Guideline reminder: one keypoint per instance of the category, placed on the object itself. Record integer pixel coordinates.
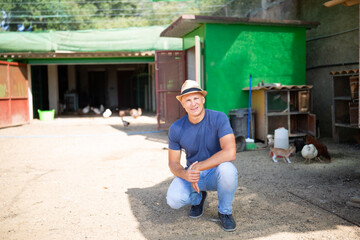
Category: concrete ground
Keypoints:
(92, 178)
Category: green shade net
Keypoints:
(126, 39)
(170, 0)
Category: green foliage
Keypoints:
(40, 15)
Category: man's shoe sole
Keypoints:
(229, 230)
(197, 216)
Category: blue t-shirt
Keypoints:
(202, 140)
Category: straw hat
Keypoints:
(190, 86)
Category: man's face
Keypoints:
(193, 103)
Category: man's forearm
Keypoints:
(177, 169)
(227, 155)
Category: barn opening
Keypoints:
(77, 86)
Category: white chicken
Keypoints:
(102, 108)
(309, 152)
(270, 138)
(107, 113)
(96, 110)
(86, 109)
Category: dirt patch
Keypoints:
(92, 178)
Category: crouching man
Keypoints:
(209, 144)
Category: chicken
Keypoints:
(86, 109)
(299, 144)
(96, 110)
(321, 148)
(125, 123)
(135, 113)
(270, 138)
(107, 113)
(309, 152)
(122, 113)
(102, 108)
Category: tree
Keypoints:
(35, 15)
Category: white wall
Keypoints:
(53, 85)
(190, 64)
(30, 96)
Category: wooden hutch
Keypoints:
(345, 101)
(287, 106)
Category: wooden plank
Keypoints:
(333, 3)
(258, 104)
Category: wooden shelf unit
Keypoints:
(287, 106)
(345, 101)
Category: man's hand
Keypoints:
(195, 187)
(192, 174)
(193, 177)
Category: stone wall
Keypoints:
(333, 45)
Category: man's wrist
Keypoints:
(197, 166)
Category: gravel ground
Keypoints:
(92, 178)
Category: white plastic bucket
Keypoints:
(281, 138)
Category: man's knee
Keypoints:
(175, 201)
(227, 174)
(227, 169)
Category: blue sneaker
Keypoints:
(227, 222)
(197, 211)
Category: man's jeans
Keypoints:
(223, 179)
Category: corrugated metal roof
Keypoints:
(279, 87)
(188, 23)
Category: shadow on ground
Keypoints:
(271, 199)
(148, 130)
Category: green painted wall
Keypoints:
(272, 54)
(189, 39)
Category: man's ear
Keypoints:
(181, 102)
(203, 100)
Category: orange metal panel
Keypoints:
(5, 115)
(4, 84)
(13, 63)
(18, 81)
(14, 102)
(19, 111)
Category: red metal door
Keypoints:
(170, 75)
(14, 100)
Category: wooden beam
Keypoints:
(333, 3)
(349, 3)
(345, 2)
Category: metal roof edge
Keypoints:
(187, 23)
(39, 55)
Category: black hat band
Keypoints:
(191, 90)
